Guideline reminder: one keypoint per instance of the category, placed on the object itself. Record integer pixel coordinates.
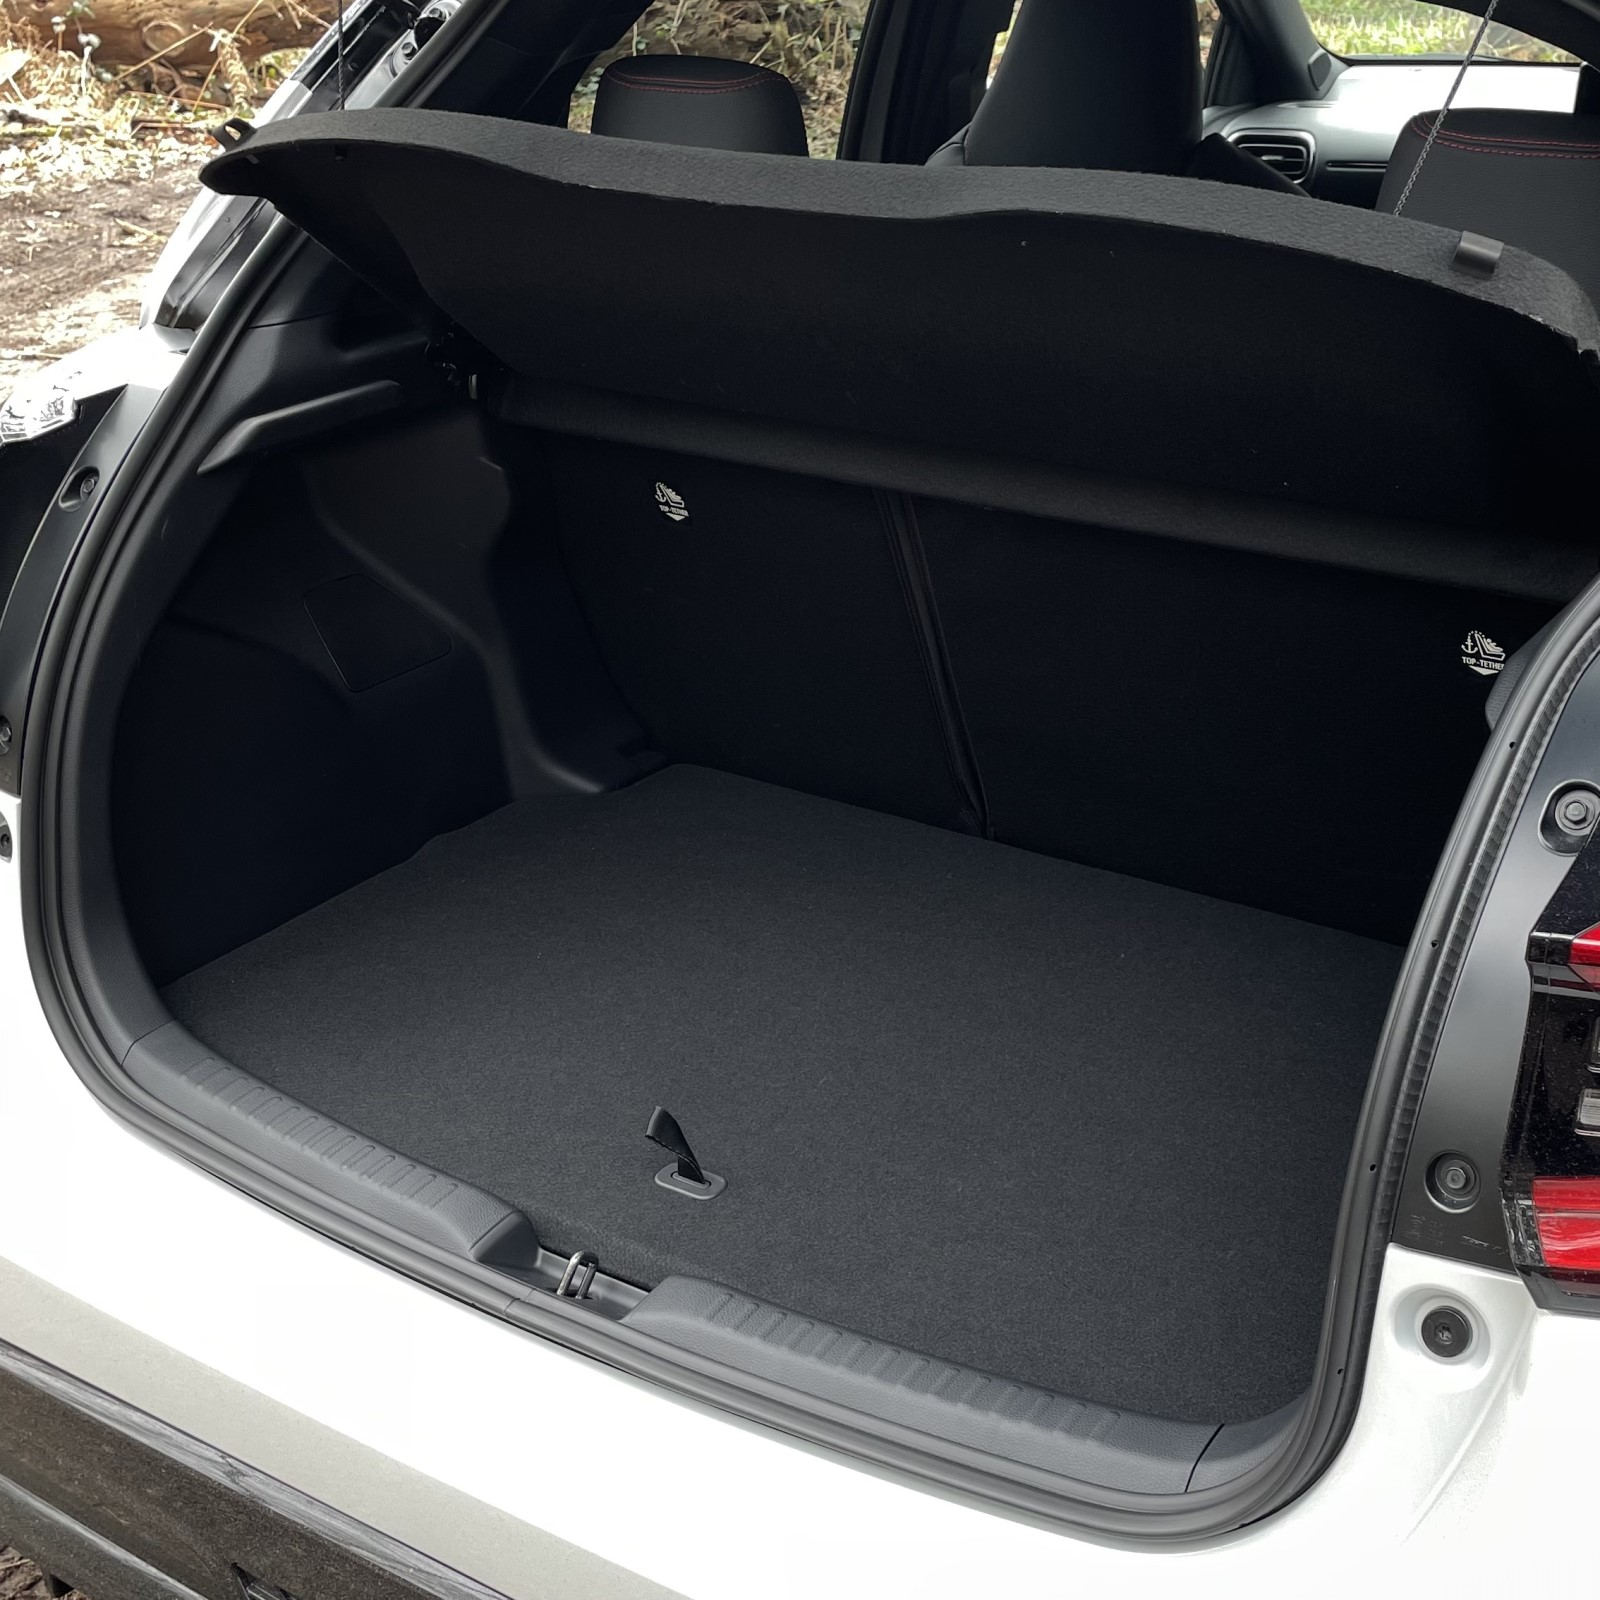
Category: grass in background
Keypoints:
(1412, 28)
(66, 120)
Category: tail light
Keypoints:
(1550, 1178)
(1567, 1215)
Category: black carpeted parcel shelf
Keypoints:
(1069, 1127)
(1179, 331)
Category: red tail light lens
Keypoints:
(1567, 1211)
(1585, 957)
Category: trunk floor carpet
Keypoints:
(1061, 1125)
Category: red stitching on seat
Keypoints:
(688, 85)
(1571, 154)
(1489, 141)
(1513, 139)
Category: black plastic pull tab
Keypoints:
(233, 133)
(685, 1176)
(1478, 255)
(664, 1131)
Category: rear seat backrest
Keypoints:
(1527, 178)
(754, 622)
(700, 100)
(759, 622)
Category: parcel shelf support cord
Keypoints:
(1449, 100)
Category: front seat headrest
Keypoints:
(1092, 83)
(700, 100)
(1529, 178)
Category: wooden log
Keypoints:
(179, 34)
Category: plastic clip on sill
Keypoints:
(575, 1281)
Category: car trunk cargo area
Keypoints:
(981, 788)
(470, 799)
(1042, 1120)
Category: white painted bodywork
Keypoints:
(541, 1472)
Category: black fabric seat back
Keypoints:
(757, 622)
(1527, 178)
(1090, 83)
(700, 100)
(1103, 84)
(1293, 735)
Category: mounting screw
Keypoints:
(5, 736)
(5, 842)
(1577, 811)
(1447, 1333)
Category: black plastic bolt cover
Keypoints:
(81, 487)
(5, 735)
(1447, 1332)
(5, 842)
(1453, 1181)
(1570, 818)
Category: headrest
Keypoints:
(700, 100)
(1527, 178)
(1093, 83)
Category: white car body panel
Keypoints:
(540, 1472)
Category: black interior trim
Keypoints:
(191, 1078)
(273, 430)
(1532, 563)
(1148, 1455)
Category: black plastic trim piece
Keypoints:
(1556, 570)
(1286, 60)
(1510, 675)
(27, 611)
(1240, 1446)
(112, 1499)
(172, 1065)
(1077, 1439)
(1467, 1063)
(274, 430)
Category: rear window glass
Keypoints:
(811, 42)
(1412, 28)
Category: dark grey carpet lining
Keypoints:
(1061, 1125)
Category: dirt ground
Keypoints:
(74, 254)
(21, 1580)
